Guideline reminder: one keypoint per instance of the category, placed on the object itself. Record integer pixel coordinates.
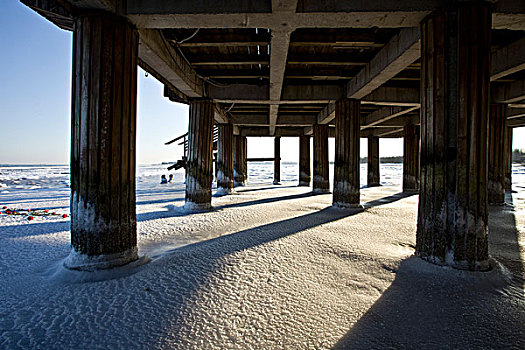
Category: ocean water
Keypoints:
(54, 179)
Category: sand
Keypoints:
(271, 267)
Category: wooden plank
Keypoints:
(384, 114)
(508, 60)
(401, 51)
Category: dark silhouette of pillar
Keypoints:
(508, 158)
(496, 164)
(239, 160)
(104, 97)
(304, 161)
(199, 169)
(277, 161)
(411, 158)
(373, 178)
(321, 182)
(225, 159)
(346, 165)
(455, 69)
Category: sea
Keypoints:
(34, 181)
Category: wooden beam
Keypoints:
(229, 63)
(509, 93)
(511, 113)
(401, 51)
(393, 96)
(158, 54)
(516, 122)
(327, 114)
(508, 60)
(399, 122)
(384, 114)
(225, 44)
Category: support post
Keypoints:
(104, 97)
(321, 182)
(225, 159)
(199, 167)
(373, 178)
(508, 158)
(411, 158)
(346, 165)
(239, 160)
(304, 161)
(496, 164)
(453, 208)
(277, 160)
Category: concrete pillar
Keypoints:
(411, 158)
(304, 161)
(239, 160)
(199, 171)
(508, 158)
(453, 208)
(104, 98)
(225, 159)
(321, 181)
(346, 165)
(277, 161)
(373, 178)
(496, 164)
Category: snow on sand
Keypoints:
(271, 267)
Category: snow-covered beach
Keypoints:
(271, 267)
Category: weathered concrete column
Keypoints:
(104, 98)
(321, 181)
(373, 178)
(239, 160)
(277, 160)
(304, 161)
(199, 169)
(225, 159)
(346, 165)
(453, 208)
(496, 165)
(508, 158)
(411, 158)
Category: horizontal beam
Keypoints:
(516, 122)
(393, 96)
(511, 113)
(509, 93)
(400, 52)
(398, 122)
(157, 54)
(508, 60)
(384, 114)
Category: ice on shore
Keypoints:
(270, 267)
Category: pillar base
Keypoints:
(481, 266)
(83, 262)
(196, 207)
(343, 205)
(238, 184)
(304, 183)
(223, 191)
(276, 182)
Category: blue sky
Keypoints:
(35, 101)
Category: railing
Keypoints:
(182, 162)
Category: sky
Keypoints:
(35, 101)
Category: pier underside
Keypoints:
(307, 68)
